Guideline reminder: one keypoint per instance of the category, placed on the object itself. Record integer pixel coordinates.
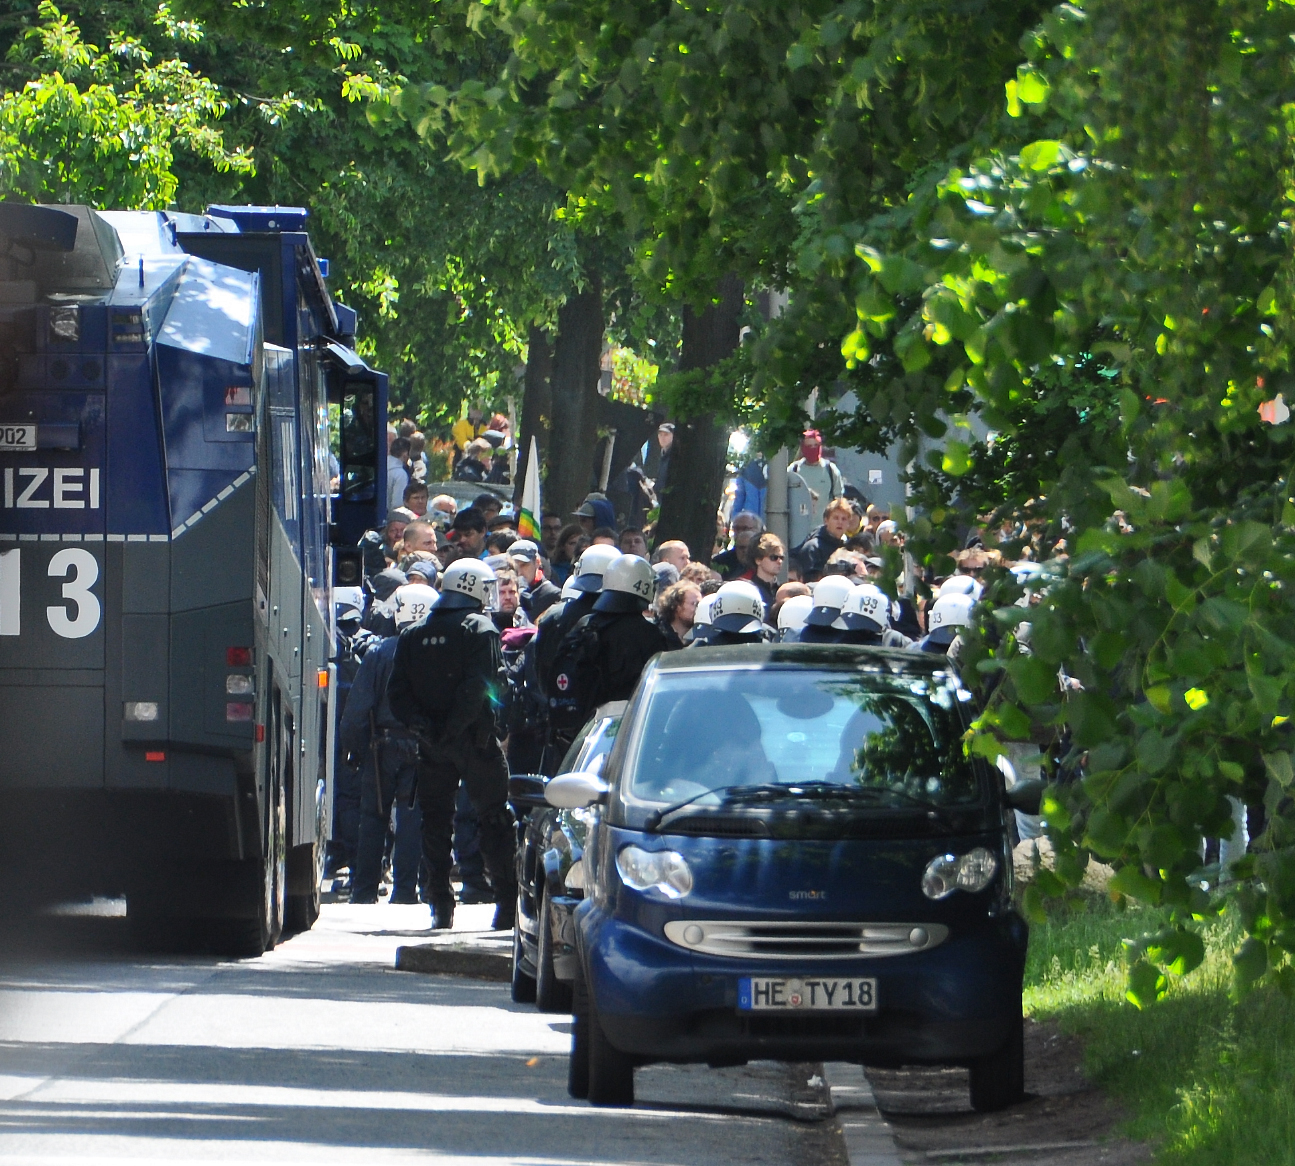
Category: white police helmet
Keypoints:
(588, 573)
(467, 583)
(1028, 574)
(738, 607)
(866, 609)
(830, 594)
(948, 615)
(962, 585)
(702, 617)
(791, 616)
(569, 588)
(411, 603)
(629, 583)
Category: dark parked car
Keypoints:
(794, 859)
(549, 871)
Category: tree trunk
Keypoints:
(537, 407)
(576, 370)
(699, 456)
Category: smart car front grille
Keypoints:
(805, 1027)
(802, 941)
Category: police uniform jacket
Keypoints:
(557, 621)
(369, 695)
(626, 642)
(448, 673)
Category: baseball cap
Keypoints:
(524, 551)
(400, 514)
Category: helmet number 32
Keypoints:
(79, 613)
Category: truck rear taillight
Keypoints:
(238, 657)
(239, 711)
(140, 710)
(237, 685)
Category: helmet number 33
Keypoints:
(78, 614)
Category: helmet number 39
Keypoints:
(80, 612)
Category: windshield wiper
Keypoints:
(656, 817)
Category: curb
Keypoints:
(868, 1140)
(445, 959)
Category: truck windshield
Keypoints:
(896, 740)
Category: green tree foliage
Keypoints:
(1071, 224)
(105, 126)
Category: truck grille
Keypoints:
(801, 941)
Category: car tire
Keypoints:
(578, 1067)
(998, 1081)
(551, 994)
(611, 1072)
(523, 982)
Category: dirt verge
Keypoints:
(1064, 1121)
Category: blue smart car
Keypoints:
(794, 860)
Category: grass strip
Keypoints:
(1206, 1081)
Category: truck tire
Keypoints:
(551, 994)
(998, 1080)
(306, 873)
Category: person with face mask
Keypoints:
(819, 474)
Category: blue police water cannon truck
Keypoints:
(186, 432)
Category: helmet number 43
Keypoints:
(80, 612)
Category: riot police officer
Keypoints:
(445, 686)
(867, 614)
(737, 615)
(944, 622)
(603, 656)
(390, 763)
(585, 584)
(823, 624)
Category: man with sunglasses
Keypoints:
(767, 556)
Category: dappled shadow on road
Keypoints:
(459, 1105)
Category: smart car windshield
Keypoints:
(883, 739)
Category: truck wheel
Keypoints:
(551, 994)
(523, 981)
(998, 1081)
(306, 873)
(578, 1068)
(611, 1072)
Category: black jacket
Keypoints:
(448, 677)
(539, 599)
(369, 695)
(557, 621)
(626, 642)
(812, 555)
(728, 564)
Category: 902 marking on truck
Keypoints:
(79, 614)
(17, 437)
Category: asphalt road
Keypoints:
(321, 1052)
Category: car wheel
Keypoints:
(611, 1072)
(998, 1081)
(578, 1069)
(551, 994)
(523, 983)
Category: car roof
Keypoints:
(852, 656)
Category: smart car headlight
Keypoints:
(947, 873)
(654, 870)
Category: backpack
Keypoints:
(524, 708)
(575, 677)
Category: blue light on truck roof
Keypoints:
(263, 218)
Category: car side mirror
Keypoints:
(1026, 796)
(527, 789)
(574, 791)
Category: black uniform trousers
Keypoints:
(483, 772)
(391, 781)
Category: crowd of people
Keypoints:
(475, 652)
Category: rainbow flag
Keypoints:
(528, 521)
